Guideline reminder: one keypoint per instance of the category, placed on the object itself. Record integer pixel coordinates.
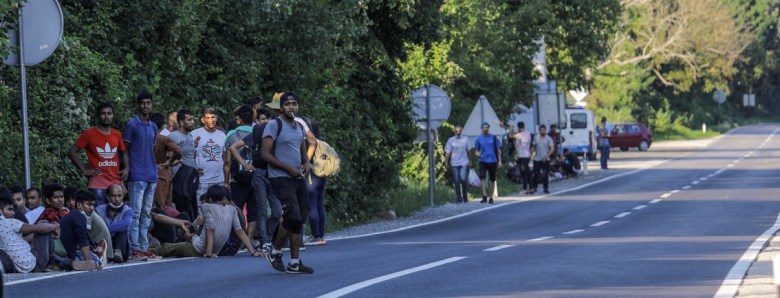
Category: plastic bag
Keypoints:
(474, 179)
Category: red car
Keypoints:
(630, 135)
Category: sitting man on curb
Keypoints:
(75, 237)
(219, 220)
(117, 216)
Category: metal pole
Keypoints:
(25, 132)
(428, 130)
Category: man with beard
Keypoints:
(139, 136)
(210, 143)
(104, 146)
(117, 216)
(185, 177)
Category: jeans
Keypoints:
(604, 152)
(315, 186)
(541, 174)
(242, 195)
(119, 239)
(100, 196)
(141, 198)
(266, 200)
(525, 172)
(460, 175)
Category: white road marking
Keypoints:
(349, 289)
(573, 232)
(695, 182)
(655, 201)
(601, 223)
(719, 171)
(737, 161)
(733, 279)
(666, 195)
(541, 239)
(621, 215)
(500, 247)
(687, 187)
(110, 267)
(704, 178)
(730, 165)
(675, 191)
(640, 207)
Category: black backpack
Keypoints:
(240, 174)
(257, 150)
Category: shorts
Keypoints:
(488, 168)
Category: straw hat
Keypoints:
(274, 104)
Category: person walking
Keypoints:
(603, 142)
(287, 165)
(523, 140)
(542, 151)
(457, 159)
(488, 149)
(139, 136)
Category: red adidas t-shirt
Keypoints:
(102, 153)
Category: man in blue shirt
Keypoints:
(488, 148)
(139, 136)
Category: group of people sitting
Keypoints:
(60, 228)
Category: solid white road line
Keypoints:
(601, 223)
(110, 267)
(621, 215)
(640, 207)
(666, 195)
(655, 201)
(541, 239)
(349, 289)
(500, 247)
(734, 277)
(573, 232)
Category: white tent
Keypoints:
(483, 112)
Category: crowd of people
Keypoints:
(163, 188)
(537, 159)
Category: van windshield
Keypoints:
(579, 120)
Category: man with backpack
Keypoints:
(488, 149)
(261, 189)
(238, 179)
(285, 151)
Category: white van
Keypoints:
(578, 132)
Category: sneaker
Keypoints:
(321, 241)
(484, 200)
(299, 269)
(266, 249)
(84, 265)
(546, 191)
(138, 256)
(118, 256)
(302, 248)
(256, 244)
(100, 248)
(276, 261)
(152, 257)
(490, 201)
(311, 240)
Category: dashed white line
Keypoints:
(541, 239)
(573, 232)
(601, 223)
(666, 195)
(695, 182)
(655, 201)
(500, 247)
(687, 187)
(675, 191)
(704, 178)
(621, 215)
(730, 165)
(349, 289)
(719, 171)
(737, 161)
(640, 207)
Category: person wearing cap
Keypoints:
(488, 149)
(287, 165)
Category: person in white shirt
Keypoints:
(523, 144)
(34, 202)
(457, 158)
(209, 150)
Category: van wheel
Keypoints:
(643, 146)
(623, 148)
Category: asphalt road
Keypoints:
(673, 230)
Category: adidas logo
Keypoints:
(106, 153)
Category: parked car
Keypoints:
(630, 135)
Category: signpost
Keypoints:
(40, 32)
(431, 108)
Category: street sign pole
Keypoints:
(25, 128)
(428, 130)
